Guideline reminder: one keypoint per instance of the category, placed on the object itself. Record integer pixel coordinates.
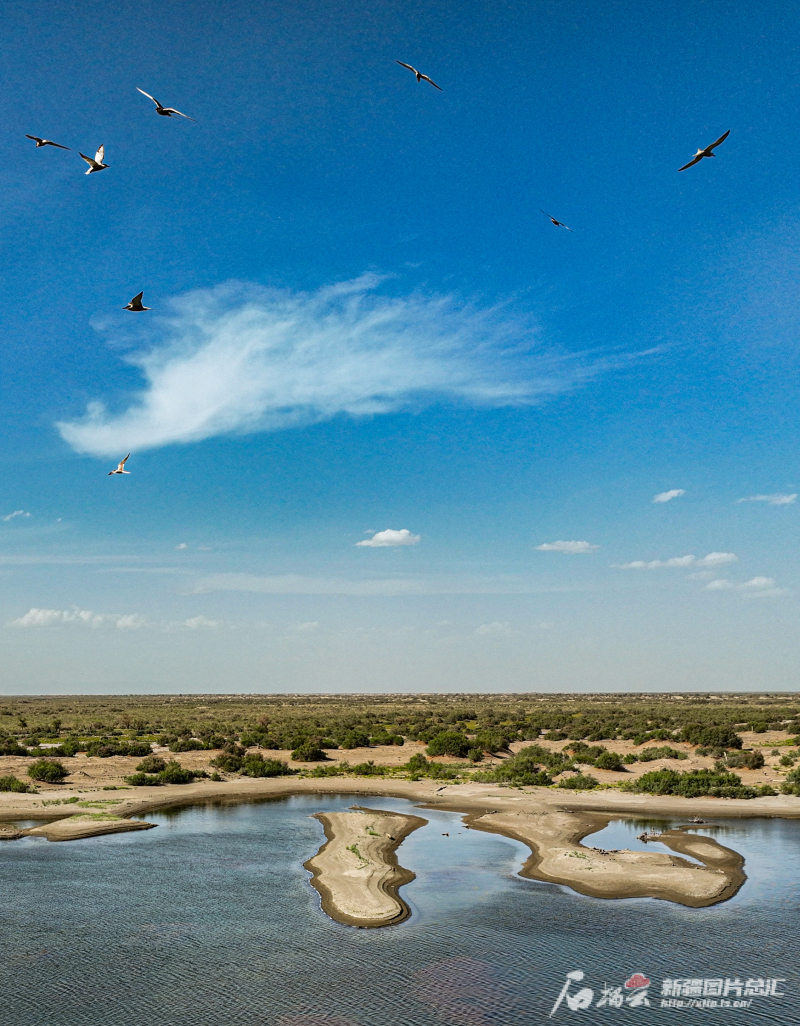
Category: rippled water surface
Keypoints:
(210, 919)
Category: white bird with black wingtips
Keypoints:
(165, 112)
(45, 142)
(420, 76)
(96, 164)
(121, 468)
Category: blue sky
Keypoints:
(363, 329)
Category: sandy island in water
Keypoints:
(551, 822)
(356, 871)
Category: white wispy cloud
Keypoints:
(181, 547)
(756, 587)
(383, 539)
(298, 584)
(776, 499)
(16, 513)
(712, 559)
(673, 493)
(567, 546)
(196, 623)
(77, 617)
(495, 628)
(241, 358)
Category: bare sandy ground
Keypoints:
(356, 871)
(73, 828)
(558, 857)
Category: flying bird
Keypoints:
(96, 164)
(165, 112)
(136, 305)
(121, 468)
(706, 152)
(45, 142)
(558, 224)
(420, 76)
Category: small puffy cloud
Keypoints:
(777, 499)
(673, 493)
(756, 587)
(383, 539)
(495, 628)
(573, 547)
(712, 559)
(179, 548)
(77, 617)
(196, 623)
(16, 513)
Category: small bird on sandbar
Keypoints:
(420, 76)
(165, 112)
(96, 164)
(558, 224)
(45, 142)
(706, 152)
(121, 468)
(136, 304)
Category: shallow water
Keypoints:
(210, 919)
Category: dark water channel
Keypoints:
(210, 919)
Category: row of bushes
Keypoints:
(696, 784)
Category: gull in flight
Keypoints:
(706, 152)
(135, 305)
(45, 142)
(558, 224)
(420, 76)
(165, 112)
(121, 468)
(96, 164)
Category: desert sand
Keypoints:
(356, 871)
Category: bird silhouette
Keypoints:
(121, 468)
(165, 112)
(558, 224)
(706, 152)
(420, 76)
(45, 142)
(136, 304)
(96, 164)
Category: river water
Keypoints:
(210, 919)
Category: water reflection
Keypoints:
(211, 919)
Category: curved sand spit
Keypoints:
(356, 871)
(558, 857)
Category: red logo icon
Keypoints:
(637, 980)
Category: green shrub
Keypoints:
(152, 764)
(49, 770)
(417, 763)
(692, 784)
(174, 773)
(228, 762)
(710, 737)
(521, 770)
(475, 755)
(188, 744)
(255, 765)
(144, 780)
(368, 769)
(630, 758)
(609, 761)
(664, 752)
(792, 783)
(787, 760)
(12, 784)
(325, 771)
(580, 782)
(355, 739)
(309, 751)
(10, 746)
(745, 760)
(105, 747)
(450, 742)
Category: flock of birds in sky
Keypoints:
(96, 163)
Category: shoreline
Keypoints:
(349, 882)
(569, 817)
